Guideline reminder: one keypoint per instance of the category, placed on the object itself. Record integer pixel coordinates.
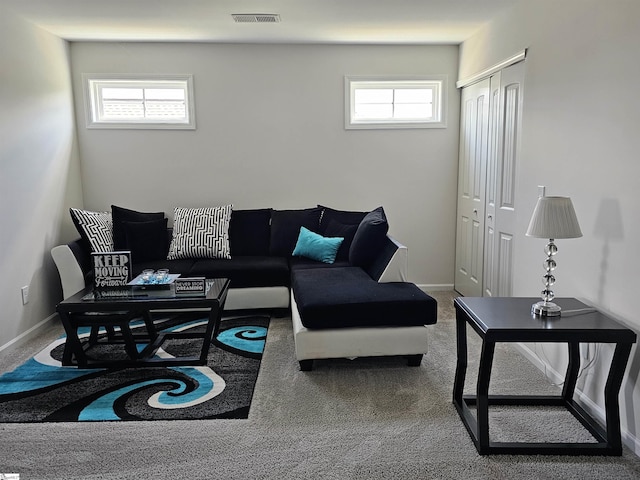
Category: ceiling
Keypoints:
(301, 21)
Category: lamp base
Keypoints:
(545, 309)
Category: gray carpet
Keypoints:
(346, 419)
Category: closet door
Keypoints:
(472, 175)
(496, 117)
(504, 150)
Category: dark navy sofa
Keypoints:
(359, 305)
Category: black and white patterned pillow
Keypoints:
(95, 227)
(200, 233)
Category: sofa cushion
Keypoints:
(95, 228)
(245, 271)
(344, 217)
(120, 215)
(347, 232)
(305, 263)
(316, 247)
(347, 297)
(285, 228)
(146, 240)
(250, 232)
(200, 233)
(369, 238)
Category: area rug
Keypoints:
(42, 390)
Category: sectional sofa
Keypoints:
(342, 276)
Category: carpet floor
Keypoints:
(346, 419)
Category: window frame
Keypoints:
(94, 83)
(437, 83)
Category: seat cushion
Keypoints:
(341, 297)
(306, 263)
(245, 271)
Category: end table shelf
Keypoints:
(509, 320)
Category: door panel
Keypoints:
(504, 158)
(490, 274)
(472, 179)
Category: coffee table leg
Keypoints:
(213, 325)
(484, 376)
(129, 342)
(151, 328)
(72, 345)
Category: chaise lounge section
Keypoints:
(343, 312)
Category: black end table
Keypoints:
(118, 308)
(510, 320)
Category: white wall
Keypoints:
(270, 133)
(580, 138)
(39, 170)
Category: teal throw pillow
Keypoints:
(316, 247)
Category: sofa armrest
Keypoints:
(71, 275)
(392, 264)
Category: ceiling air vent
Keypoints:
(256, 18)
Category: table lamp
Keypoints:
(553, 218)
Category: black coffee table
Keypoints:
(510, 320)
(118, 308)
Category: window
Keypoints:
(376, 102)
(139, 102)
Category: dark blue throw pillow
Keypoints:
(285, 228)
(344, 217)
(249, 232)
(121, 215)
(336, 229)
(147, 241)
(369, 238)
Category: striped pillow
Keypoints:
(94, 227)
(200, 233)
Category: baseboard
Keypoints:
(630, 440)
(443, 287)
(24, 337)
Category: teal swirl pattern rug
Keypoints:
(42, 390)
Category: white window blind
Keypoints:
(397, 103)
(126, 102)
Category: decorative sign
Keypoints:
(111, 269)
(190, 286)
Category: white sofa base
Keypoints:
(356, 342)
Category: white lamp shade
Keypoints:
(554, 217)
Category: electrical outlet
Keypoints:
(25, 294)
